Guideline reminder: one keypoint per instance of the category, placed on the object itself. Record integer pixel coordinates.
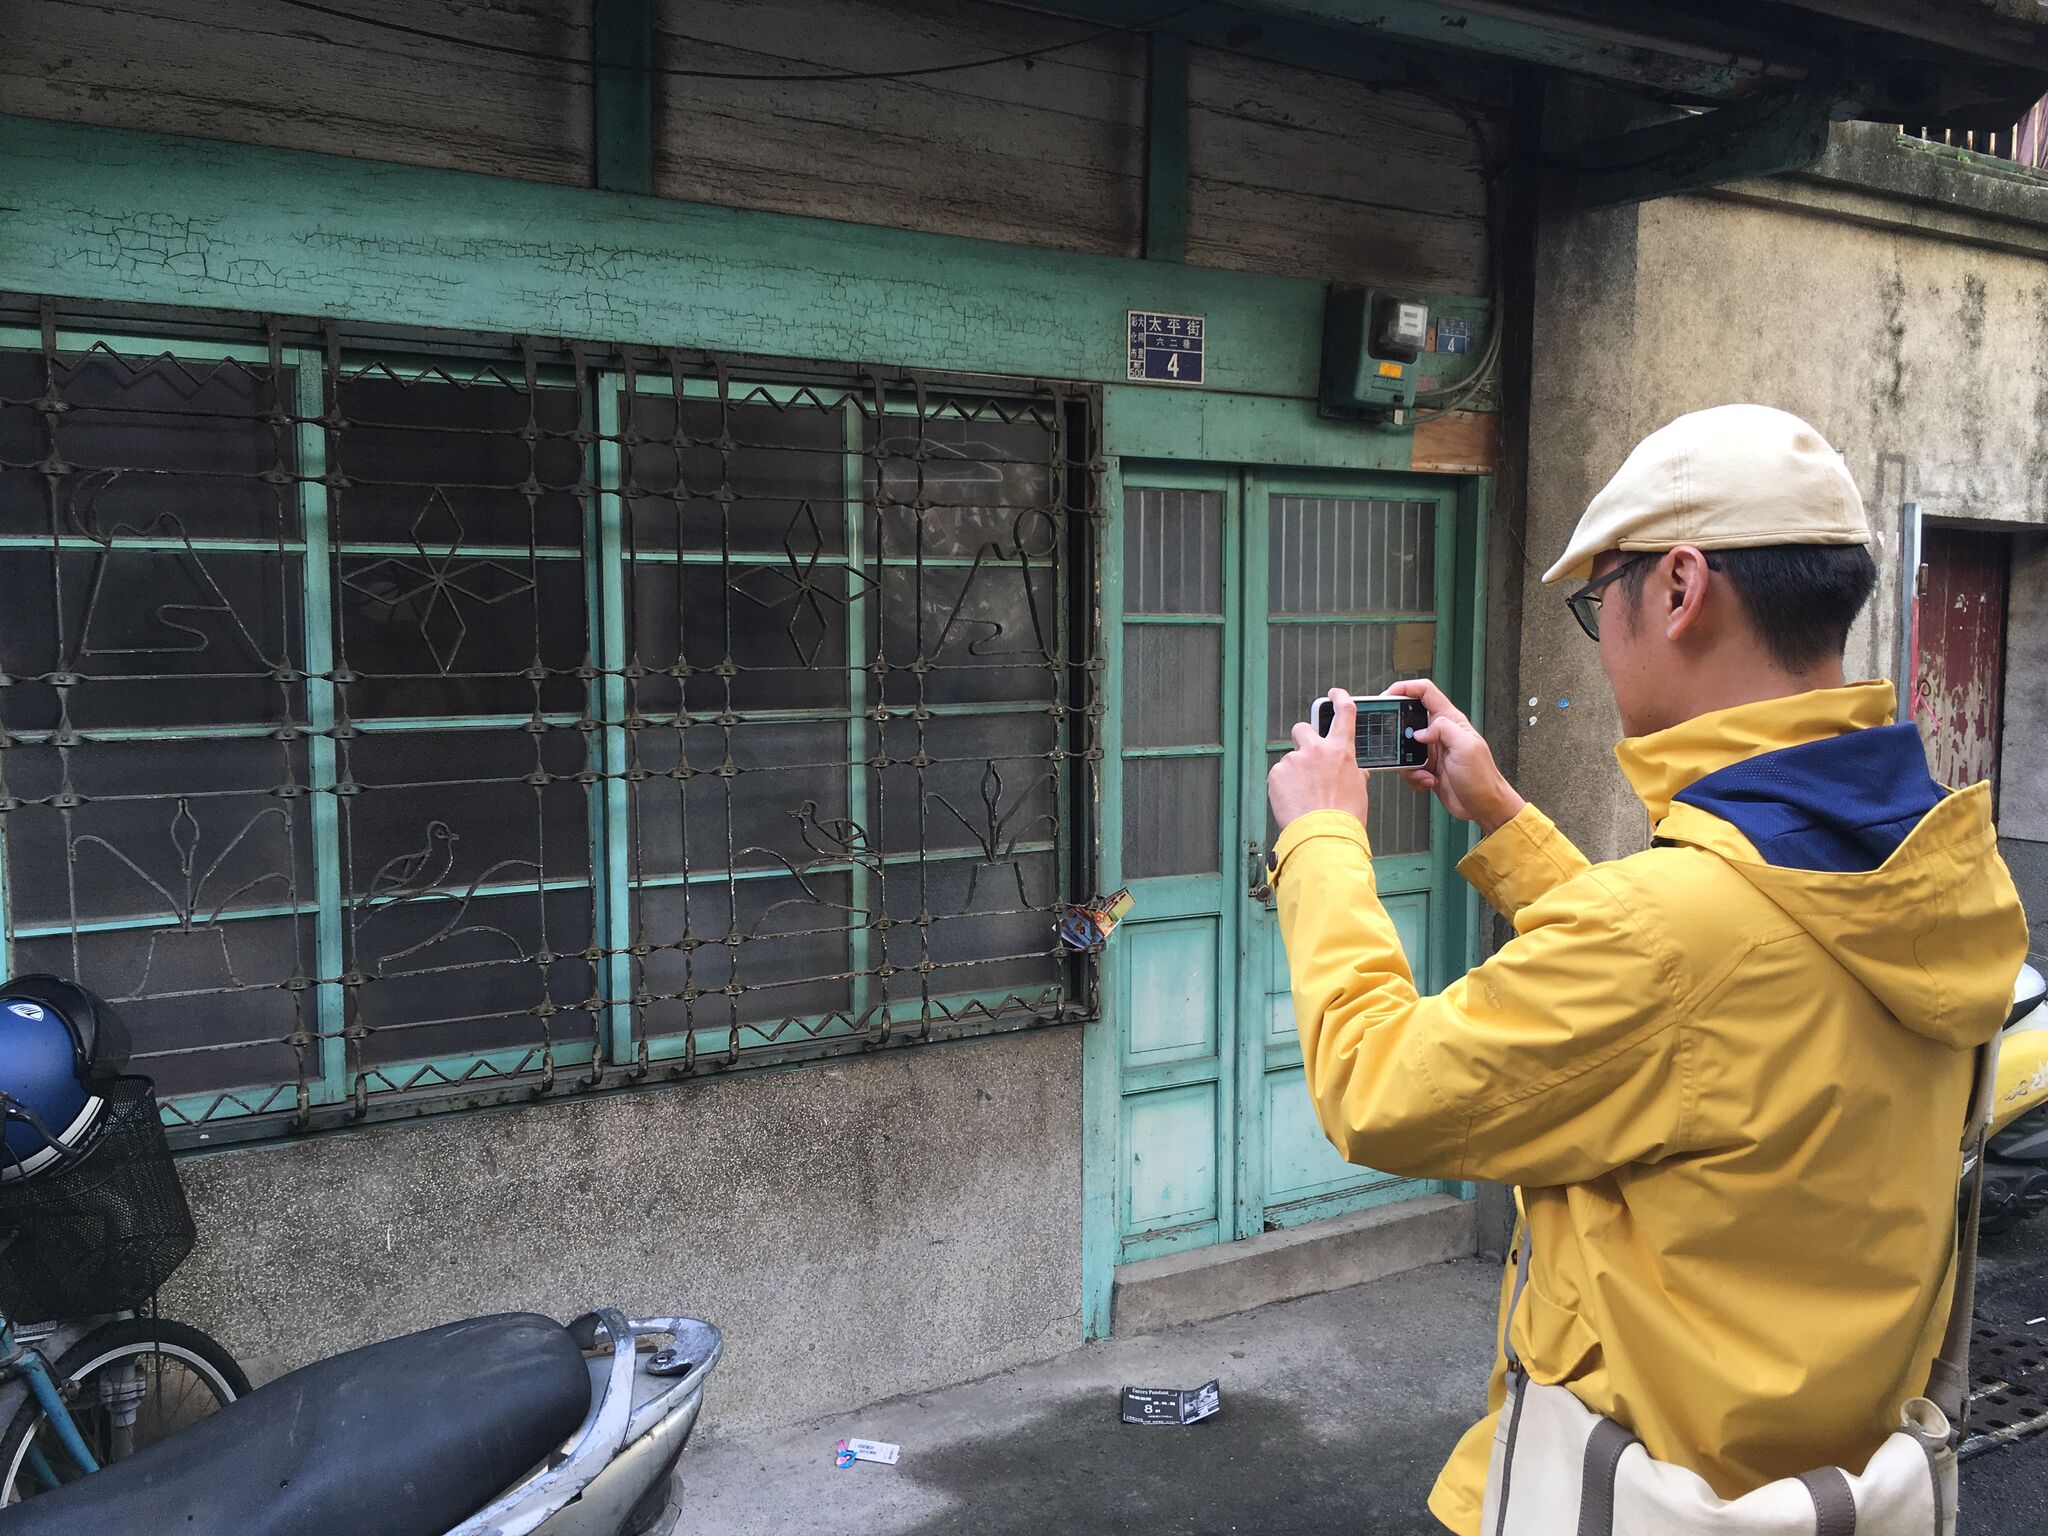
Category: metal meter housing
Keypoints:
(1372, 342)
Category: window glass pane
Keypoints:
(174, 830)
(971, 926)
(451, 810)
(949, 635)
(1173, 685)
(1399, 819)
(1173, 551)
(1337, 555)
(752, 637)
(454, 459)
(727, 475)
(947, 487)
(454, 975)
(452, 632)
(748, 796)
(751, 952)
(1172, 816)
(140, 637)
(147, 447)
(987, 782)
(208, 1008)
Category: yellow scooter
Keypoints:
(2016, 1151)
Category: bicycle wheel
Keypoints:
(183, 1374)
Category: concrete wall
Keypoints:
(858, 1230)
(1896, 298)
(2023, 757)
(2023, 754)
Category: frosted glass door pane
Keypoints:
(1173, 685)
(1172, 816)
(1305, 661)
(1338, 555)
(1397, 823)
(1173, 552)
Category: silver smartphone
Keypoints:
(1386, 729)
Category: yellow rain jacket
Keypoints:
(1728, 1072)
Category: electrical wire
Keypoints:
(1442, 402)
(814, 78)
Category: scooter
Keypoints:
(497, 1426)
(2016, 1148)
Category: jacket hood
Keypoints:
(1828, 809)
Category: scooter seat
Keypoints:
(405, 1438)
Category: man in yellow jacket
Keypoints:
(1728, 1073)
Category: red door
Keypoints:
(1959, 651)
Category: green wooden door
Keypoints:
(1243, 594)
(1348, 583)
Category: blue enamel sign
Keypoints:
(1167, 349)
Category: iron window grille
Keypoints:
(395, 723)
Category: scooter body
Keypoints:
(501, 1426)
(617, 1478)
(2016, 1148)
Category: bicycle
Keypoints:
(93, 1220)
(88, 1392)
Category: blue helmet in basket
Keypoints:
(58, 1046)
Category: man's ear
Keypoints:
(1683, 595)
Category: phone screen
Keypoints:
(1386, 730)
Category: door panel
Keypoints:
(1172, 1168)
(1243, 597)
(1959, 665)
(1177, 992)
(1355, 583)
(1173, 989)
(1305, 1177)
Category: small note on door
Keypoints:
(1414, 647)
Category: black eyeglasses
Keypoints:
(1585, 603)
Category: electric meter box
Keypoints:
(1372, 344)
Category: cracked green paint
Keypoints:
(108, 215)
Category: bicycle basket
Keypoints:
(101, 1233)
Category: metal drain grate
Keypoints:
(2009, 1387)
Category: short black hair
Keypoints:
(1801, 598)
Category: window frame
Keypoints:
(615, 1052)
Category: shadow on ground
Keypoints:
(2006, 1492)
(1261, 1465)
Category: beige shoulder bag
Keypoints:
(1559, 1469)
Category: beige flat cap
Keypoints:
(1734, 477)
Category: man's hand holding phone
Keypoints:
(1461, 768)
(1322, 772)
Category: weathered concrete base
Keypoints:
(1300, 1261)
(858, 1229)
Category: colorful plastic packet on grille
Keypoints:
(1090, 925)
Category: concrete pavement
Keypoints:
(2007, 1491)
(1337, 1411)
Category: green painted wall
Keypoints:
(103, 214)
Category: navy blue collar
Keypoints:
(1843, 803)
